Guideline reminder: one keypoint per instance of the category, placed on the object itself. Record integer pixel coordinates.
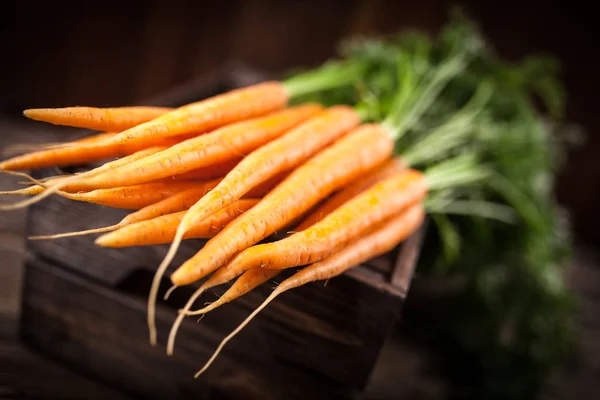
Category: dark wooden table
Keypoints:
(402, 372)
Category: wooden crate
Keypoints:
(86, 307)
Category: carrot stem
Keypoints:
(479, 208)
(400, 119)
(330, 76)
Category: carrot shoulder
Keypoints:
(392, 167)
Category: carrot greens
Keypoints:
(505, 238)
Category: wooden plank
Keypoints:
(80, 253)
(26, 375)
(13, 225)
(406, 261)
(317, 340)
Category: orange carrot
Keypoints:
(79, 153)
(130, 197)
(233, 106)
(275, 157)
(93, 138)
(231, 141)
(53, 185)
(12, 150)
(381, 240)
(178, 202)
(101, 119)
(162, 229)
(363, 150)
(51, 181)
(27, 191)
(391, 168)
(249, 280)
(345, 224)
(209, 172)
(30, 147)
(60, 156)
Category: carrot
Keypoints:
(249, 280)
(390, 168)
(28, 191)
(130, 197)
(364, 149)
(96, 138)
(43, 190)
(60, 156)
(102, 119)
(214, 112)
(162, 229)
(379, 241)
(346, 223)
(268, 161)
(21, 148)
(210, 172)
(30, 147)
(79, 153)
(51, 181)
(178, 202)
(231, 141)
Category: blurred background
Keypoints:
(113, 53)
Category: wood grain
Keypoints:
(312, 339)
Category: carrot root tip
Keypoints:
(156, 284)
(23, 175)
(78, 233)
(169, 291)
(179, 320)
(237, 330)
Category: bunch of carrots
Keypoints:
(347, 158)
